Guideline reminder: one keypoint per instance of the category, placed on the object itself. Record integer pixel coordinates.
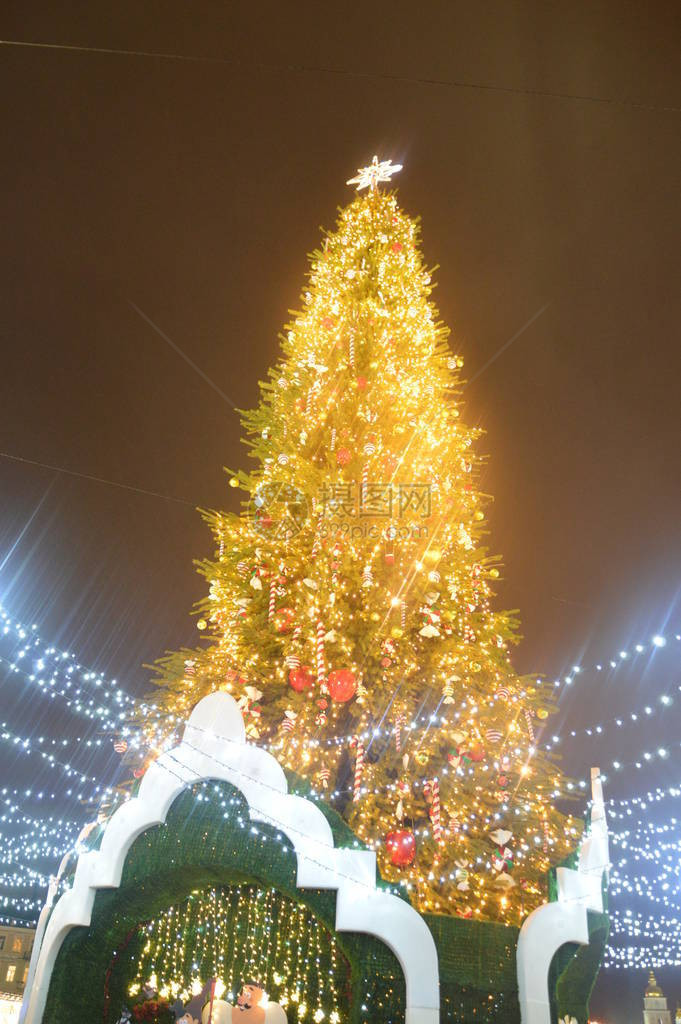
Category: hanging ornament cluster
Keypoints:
(462, 875)
(432, 621)
(502, 858)
(431, 791)
(251, 711)
(388, 652)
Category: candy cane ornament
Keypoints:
(399, 725)
(273, 597)
(321, 664)
(359, 768)
(317, 545)
(435, 811)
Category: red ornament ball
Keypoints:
(300, 679)
(401, 847)
(361, 383)
(389, 558)
(341, 685)
(397, 247)
(477, 752)
(284, 619)
(343, 456)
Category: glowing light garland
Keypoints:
(242, 932)
(657, 642)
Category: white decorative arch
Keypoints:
(214, 747)
(552, 925)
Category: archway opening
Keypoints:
(235, 934)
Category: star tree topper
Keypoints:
(369, 177)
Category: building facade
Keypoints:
(15, 955)
(655, 1009)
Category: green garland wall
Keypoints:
(207, 842)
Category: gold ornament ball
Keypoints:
(201, 624)
(494, 573)
(375, 617)
(479, 515)
(421, 757)
(433, 555)
(542, 713)
(396, 632)
(476, 666)
(234, 482)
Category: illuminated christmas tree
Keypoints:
(349, 605)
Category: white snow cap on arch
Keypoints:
(214, 747)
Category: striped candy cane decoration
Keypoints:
(222, 545)
(324, 775)
(333, 439)
(289, 723)
(359, 768)
(317, 545)
(352, 351)
(435, 812)
(273, 597)
(399, 726)
(530, 727)
(321, 666)
(403, 614)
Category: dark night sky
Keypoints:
(193, 189)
